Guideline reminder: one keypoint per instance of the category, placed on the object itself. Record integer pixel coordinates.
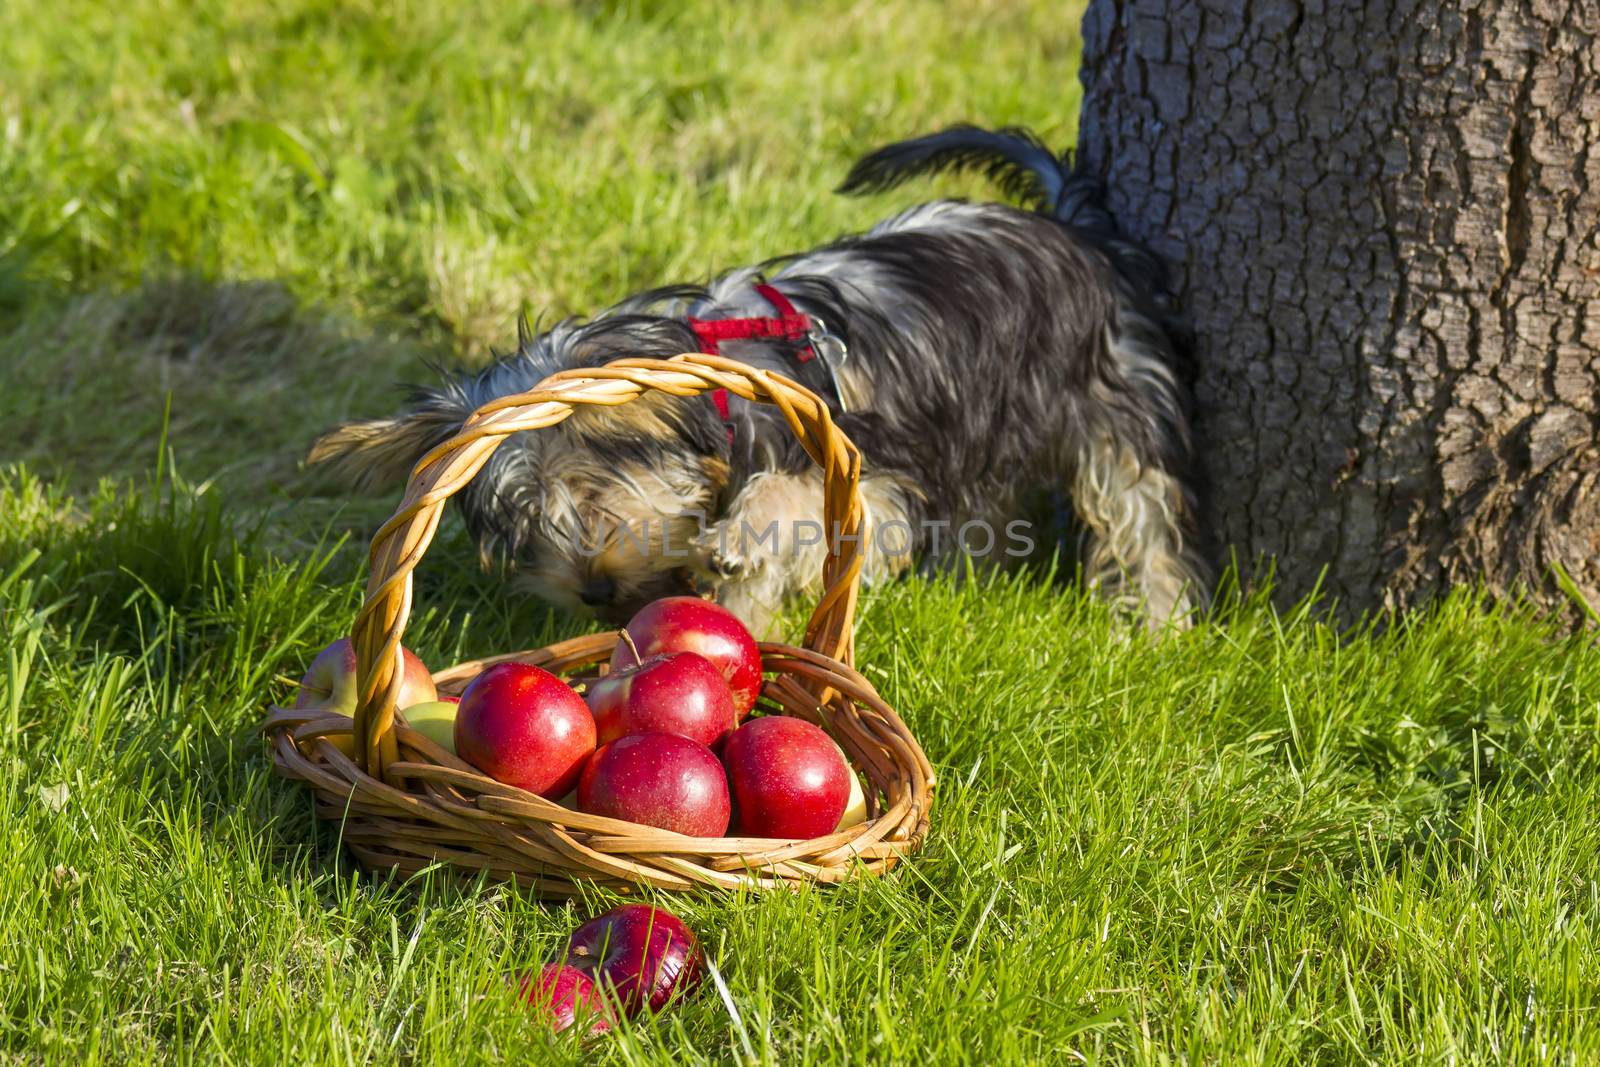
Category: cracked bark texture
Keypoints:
(1384, 219)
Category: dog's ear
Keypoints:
(378, 453)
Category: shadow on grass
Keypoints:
(239, 375)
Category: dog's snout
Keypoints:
(598, 591)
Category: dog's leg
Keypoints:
(1137, 553)
(772, 543)
(769, 547)
(1140, 514)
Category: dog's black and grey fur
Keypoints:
(992, 352)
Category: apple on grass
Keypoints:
(646, 956)
(660, 780)
(565, 995)
(523, 726)
(677, 693)
(689, 624)
(330, 682)
(788, 778)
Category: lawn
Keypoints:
(223, 228)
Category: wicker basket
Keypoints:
(404, 803)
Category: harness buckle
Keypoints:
(832, 351)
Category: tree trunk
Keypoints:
(1384, 219)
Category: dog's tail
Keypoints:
(1013, 158)
(1020, 164)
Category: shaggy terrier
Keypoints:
(977, 354)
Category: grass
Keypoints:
(228, 206)
(1262, 841)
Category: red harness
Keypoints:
(789, 325)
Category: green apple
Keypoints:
(435, 720)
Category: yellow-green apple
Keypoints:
(855, 809)
(564, 995)
(678, 693)
(330, 683)
(788, 778)
(523, 726)
(435, 720)
(660, 780)
(689, 624)
(646, 956)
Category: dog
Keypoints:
(976, 353)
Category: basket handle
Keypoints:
(398, 546)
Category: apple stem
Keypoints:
(627, 637)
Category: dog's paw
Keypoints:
(720, 559)
(729, 566)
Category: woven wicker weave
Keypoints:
(403, 802)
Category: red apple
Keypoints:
(679, 693)
(563, 994)
(330, 683)
(647, 956)
(523, 726)
(689, 624)
(788, 778)
(660, 780)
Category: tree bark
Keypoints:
(1384, 220)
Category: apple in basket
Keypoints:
(646, 956)
(660, 780)
(435, 720)
(330, 683)
(563, 995)
(523, 726)
(678, 693)
(689, 624)
(855, 809)
(788, 777)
